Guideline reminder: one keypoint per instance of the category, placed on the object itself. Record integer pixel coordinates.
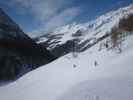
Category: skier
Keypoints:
(95, 63)
(74, 66)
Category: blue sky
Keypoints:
(35, 15)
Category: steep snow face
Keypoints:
(89, 31)
(94, 74)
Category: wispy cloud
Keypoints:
(41, 9)
(63, 18)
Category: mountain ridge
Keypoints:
(82, 34)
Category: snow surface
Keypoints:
(69, 78)
(111, 79)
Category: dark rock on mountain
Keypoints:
(18, 53)
(69, 46)
(60, 49)
(77, 34)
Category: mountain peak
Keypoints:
(5, 19)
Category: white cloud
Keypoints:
(43, 10)
(63, 18)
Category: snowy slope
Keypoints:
(111, 79)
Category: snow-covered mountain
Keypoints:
(18, 52)
(61, 40)
(69, 78)
(92, 75)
